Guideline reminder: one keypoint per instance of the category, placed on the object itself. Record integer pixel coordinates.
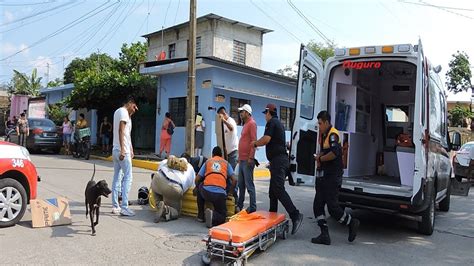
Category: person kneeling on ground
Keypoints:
(212, 185)
(169, 186)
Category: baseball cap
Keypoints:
(270, 107)
(246, 107)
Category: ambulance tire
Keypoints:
(444, 204)
(426, 226)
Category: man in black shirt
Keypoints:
(327, 186)
(275, 147)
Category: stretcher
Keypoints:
(235, 241)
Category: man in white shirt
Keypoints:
(122, 154)
(169, 186)
(230, 136)
(231, 144)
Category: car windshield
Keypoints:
(41, 123)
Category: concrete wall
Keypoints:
(216, 40)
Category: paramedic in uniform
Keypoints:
(212, 183)
(329, 161)
(275, 148)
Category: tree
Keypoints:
(459, 114)
(105, 88)
(323, 50)
(54, 83)
(94, 61)
(459, 74)
(23, 84)
(56, 112)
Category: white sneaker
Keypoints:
(116, 210)
(127, 212)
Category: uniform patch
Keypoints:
(216, 167)
(333, 140)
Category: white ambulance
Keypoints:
(389, 106)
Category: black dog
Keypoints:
(93, 192)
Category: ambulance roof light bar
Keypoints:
(372, 50)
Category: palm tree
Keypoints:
(27, 85)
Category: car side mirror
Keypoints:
(456, 141)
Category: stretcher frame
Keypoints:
(237, 253)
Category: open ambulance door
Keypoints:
(421, 122)
(304, 133)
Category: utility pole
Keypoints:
(191, 100)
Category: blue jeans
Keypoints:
(246, 182)
(232, 160)
(121, 183)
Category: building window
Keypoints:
(235, 103)
(239, 52)
(198, 46)
(177, 110)
(287, 116)
(172, 50)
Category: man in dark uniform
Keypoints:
(329, 161)
(275, 147)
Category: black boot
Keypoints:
(323, 238)
(353, 228)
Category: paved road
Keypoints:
(382, 239)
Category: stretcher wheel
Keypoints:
(206, 260)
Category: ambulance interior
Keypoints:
(372, 105)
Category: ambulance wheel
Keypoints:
(426, 226)
(206, 260)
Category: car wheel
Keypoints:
(13, 201)
(426, 226)
(56, 150)
(444, 204)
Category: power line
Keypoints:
(36, 14)
(315, 29)
(64, 28)
(132, 10)
(422, 3)
(42, 18)
(277, 22)
(27, 4)
(166, 14)
(176, 15)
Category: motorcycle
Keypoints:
(82, 144)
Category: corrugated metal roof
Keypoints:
(68, 86)
(211, 16)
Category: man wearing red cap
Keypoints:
(275, 148)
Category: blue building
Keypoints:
(218, 83)
(57, 94)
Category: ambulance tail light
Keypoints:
(340, 52)
(370, 50)
(404, 48)
(354, 51)
(387, 49)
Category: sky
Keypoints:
(35, 33)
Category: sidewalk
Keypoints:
(146, 163)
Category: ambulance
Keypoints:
(389, 106)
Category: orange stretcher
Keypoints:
(236, 240)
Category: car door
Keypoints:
(304, 134)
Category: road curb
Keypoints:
(150, 165)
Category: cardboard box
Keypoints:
(50, 212)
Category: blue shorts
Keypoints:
(105, 140)
(66, 138)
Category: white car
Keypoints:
(463, 162)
